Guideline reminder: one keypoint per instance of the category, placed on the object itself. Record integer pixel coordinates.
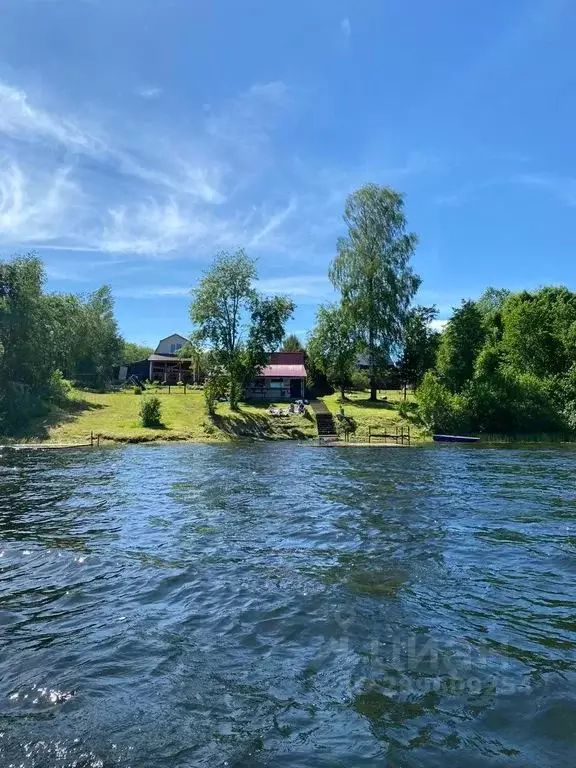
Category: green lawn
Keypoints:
(115, 417)
(379, 415)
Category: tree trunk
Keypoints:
(373, 389)
(405, 387)
(234, 394)
(342, 394)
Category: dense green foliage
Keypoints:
(151, 412)
(332, 347)
(46, 339)
(461, 342)
(419, 347)
(292, 344)
(134, 353)
(373, 274)
(506, 364)
(239, 326)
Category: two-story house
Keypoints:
(165, 364)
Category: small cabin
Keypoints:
(284, 378)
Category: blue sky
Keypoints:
(139, 137)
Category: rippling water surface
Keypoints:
(280, 605)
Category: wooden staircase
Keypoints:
(324, 419)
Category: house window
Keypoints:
(276, 383)
(259, 383)
(174, 348)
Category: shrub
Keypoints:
(511, 403)
(215, 387)
(359, 381)
(439, 410)
(17, 405)
(346, 425)
(407, 409)
(59, 387)
(137, 391)
(151, 412)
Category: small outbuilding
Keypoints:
(284, 378)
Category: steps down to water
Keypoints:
(325, 424)
(324, 419)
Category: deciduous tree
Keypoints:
(419, 346)
(238, 325)
(461, 342)
(292, 344)
(373, 273)
(133, 352)
(332, 347)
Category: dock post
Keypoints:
(369, 435)
(98, 439)
(91, 439)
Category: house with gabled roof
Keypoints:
(284, 378)
(165, 365)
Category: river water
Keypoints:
(281, 605)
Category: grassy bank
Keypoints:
(382, 415)
(115, 416)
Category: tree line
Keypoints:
(49, 338)
(506, 363)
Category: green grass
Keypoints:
(382, 415)
(115, 416)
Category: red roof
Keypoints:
(284, 371)
(285, 365)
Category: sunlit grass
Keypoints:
(382, 415)
(115, 416)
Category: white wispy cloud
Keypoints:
(274, 222)
(165, 194)
(302, 287)
(34, 208)
(173, 185)
(244, 123)
(173, 168)
(346, 28)
(21, 120)
(149, 92)
(561, 187)
(149, 227)
(312, 287)
(152, 292)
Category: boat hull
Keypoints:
(454, 439)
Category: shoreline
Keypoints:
(312, 442)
